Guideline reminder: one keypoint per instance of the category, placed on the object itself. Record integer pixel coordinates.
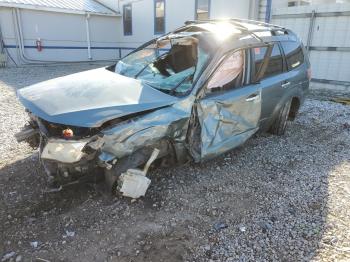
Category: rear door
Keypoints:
(230, 110)
(272, 78)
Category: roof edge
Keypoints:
(56, 9)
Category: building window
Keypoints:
(202, 9)
(298, 2)
(127, 19)
(159, 17)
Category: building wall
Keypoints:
(176, 13)
(230, 9)
(63, 36)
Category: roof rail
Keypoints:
(253, 22)
(241, 27)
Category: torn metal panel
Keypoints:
(166, 123)
(228, 119)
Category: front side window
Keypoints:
(275, 65)
(229, 74)
(127, 19)
(159, 18)
(168, 64)
(202, 9)
(294, 54)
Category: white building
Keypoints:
(34, 31)
(142, 20)
(41, 31)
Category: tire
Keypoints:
(280, 124)
(111, 179)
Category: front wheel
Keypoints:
(279, 125)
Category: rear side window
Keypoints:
(275, 65)
(294, 54)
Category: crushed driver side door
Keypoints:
(228, 120)
(228, 117)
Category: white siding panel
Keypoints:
(52, 26)
(229, 9)
(330, 65)
(332, 31)
(104, 29)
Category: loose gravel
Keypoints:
(273, 199)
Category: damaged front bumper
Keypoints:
(65, 160)
(108, 151)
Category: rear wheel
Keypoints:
(279, 125)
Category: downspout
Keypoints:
(268, 11)
(18, 36)
(254, 7)
(88, 35)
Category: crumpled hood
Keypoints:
(90, 98)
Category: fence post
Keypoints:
(311, 31)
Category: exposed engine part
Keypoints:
(30, 135)
(134, 182)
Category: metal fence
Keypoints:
(325, 31)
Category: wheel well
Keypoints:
(294, 108)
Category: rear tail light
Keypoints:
(309, 74)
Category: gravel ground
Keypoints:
(273, 199)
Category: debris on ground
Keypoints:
(344, 101)
(34, 244)
(220, 225)
(69, 234)
(8, 256)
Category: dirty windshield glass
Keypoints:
(169, 64)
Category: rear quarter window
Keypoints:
(275, 65)
(294, 54)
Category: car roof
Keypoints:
(260, 31)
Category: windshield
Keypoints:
(170, 64)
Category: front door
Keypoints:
(227, 120)
(230, 111)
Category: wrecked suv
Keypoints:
(192, 94)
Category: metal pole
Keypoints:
(268, 11)
(311, 31)
(88, 35)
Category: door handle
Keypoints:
(285, 85)
(252, 98)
